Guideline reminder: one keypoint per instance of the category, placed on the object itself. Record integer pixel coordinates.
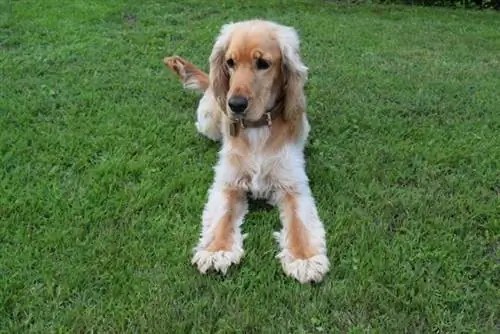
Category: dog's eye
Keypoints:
(262, 64)
(230, 62)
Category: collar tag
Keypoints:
(269, 119)
(232, 129)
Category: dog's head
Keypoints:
(254, 65)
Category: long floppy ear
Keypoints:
(219, 73)
(294, 71)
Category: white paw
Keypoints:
(308, 270)
(219, 260)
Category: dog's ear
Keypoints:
(294, 73)
(219, 72)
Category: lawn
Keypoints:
(103, 176)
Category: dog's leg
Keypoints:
(208, 116)
(191, 76)
(221, 241)
(302, 239)
(209, 120)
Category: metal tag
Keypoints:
(232, 129)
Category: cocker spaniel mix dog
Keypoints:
(253, 102)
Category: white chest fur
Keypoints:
(261, 171)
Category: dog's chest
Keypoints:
(260, 173)
(259, 168)
(259, 164)
(258, 176)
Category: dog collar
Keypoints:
(266, 119)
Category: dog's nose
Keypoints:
(238, 104)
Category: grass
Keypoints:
(103, 177)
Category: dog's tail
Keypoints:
(191, 76)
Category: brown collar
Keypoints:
(266, 119)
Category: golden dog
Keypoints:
(254, 103)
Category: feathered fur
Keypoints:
(267, 162)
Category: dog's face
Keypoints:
(253, 65)
(253, 61)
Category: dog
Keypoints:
(253, 102)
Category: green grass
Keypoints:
(103, 177)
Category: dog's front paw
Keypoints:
(308, 270)
(216, 260)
